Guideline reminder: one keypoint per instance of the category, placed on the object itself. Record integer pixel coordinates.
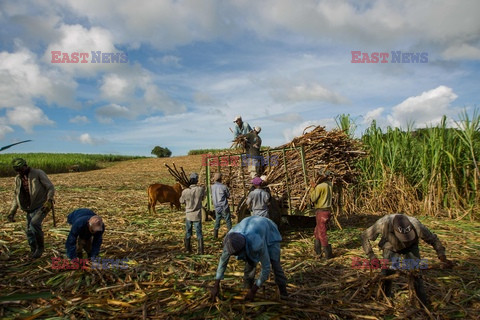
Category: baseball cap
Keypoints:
(257, 129)
(234, 242)
(257, 181)
(237, 118)
(403, 228)
(18, 163)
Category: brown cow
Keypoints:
(163, 193)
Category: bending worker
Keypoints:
(86, 234)
(255, 239)
(400, 237)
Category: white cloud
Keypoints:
(371, 115)
(307, 92)
(298, 130)
(425, 109)
(136, 91)
(79, 119)
(78, 39)
(27, 117)
(106, 113)
(4, 128)
(86, 138)
(22, 79)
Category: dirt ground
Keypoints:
(163, 282)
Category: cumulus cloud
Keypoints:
(136, 90)
(106, 113)
(86, 138)
(298, 130)
(27, 117)
(371, 115)
(79, 39)
(22, 79)
(424, 109)
(79, 119)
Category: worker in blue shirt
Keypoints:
(241, 128)
(86, 233)
(255, 239)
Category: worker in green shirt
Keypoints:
(321, 198)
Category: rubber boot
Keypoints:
(420, 291)
(248, 283)
(283, 292)
(318, 247)
(40, 247)
(387, 284)
(215, 233)
(328, 251)
(200, 246)
(188, 245)
(33, 247)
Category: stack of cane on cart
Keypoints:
(284, 172)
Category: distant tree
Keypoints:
(161, 152)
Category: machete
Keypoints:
(11, 145)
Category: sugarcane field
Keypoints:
(144, 270)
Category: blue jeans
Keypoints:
(198, 228)
(225, 214)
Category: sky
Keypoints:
(175, 73)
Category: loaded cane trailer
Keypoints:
(287, 171)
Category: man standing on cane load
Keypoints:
(241, 128)
(220, 195)
(34, 194)
(321, 197)
(192, 198)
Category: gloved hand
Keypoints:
(448, 264)
(47, 206)
(214, 290)
(11, 217)
(251, 293)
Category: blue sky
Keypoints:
(194, 65)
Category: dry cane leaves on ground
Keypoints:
(163, 282)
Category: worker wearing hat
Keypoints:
(321, 198)
(220, 195)
(86, 234)
(258, 199)
(255, 239)
(34, 194)
(241, 127)
(254, 160)
(400, 236)
(192, 197)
